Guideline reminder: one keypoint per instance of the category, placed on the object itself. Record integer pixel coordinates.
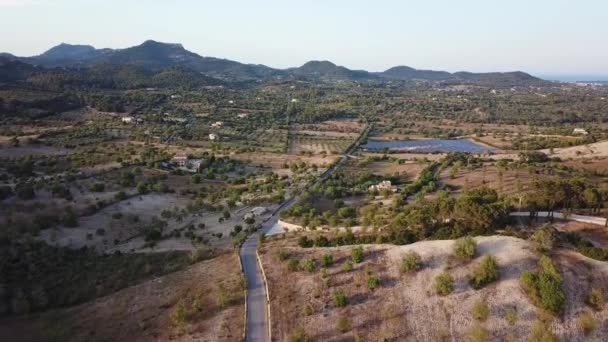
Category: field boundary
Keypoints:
(257, 255)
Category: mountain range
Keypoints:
(156, 56)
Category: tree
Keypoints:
(196, 178)
(544, 286)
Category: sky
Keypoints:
(543, 37)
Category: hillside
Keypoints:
(400, 299)
(328, 71)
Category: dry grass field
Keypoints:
(404, 307)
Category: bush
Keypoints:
(25, 192)
(356, 254)
(308, 310)
(540, 333)
(544, 285)
(283, 255)
(587, 322)
(305, 242)
(293, 265)
(121, 195)
(343, 324)
(347, 266)
(595, 299)
(298, 335)
(327, 260)
(511, 315)
(544, 238)
(340, 298)
(373, 282)
(480, 310)
(477, 333)
(484, 273)
(444, 284)
(464, 248)
(308, 265)
(411, 261)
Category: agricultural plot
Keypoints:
(317, 144)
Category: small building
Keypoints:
(217, 124)
(128, 119)
(384, 185)
(213, 137)
(179, 160)
(581, 131)
(294, 100)
(242, 115)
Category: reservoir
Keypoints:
(427, 145)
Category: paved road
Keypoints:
(257, 308)
(600, 221)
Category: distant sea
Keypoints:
(574, 78)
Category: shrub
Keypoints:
(305, 242)
(298, 335)
(343, 324)
(347, 266)
(356, 254)
(511, 315)
(484, 273)
(308, 265)
(411, 261)
(595, 299)
(283, 255)
(587, 322)
(444, 284)
(308, 310)
(121, 195)
(477, 333)
(326, 260)
(293, 265)
(544, 238)
(544, 285)
(340, 298)
(480, 310)
(464, 248)
(373, 282)
(540, 333)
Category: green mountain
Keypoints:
(328, 71)
(155, 57)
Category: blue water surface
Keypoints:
(427, 145)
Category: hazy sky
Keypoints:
(538, 36)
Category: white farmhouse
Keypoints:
(581, 131)
(384, 185)
(217, 124)
(128, 119)
(213, 137)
